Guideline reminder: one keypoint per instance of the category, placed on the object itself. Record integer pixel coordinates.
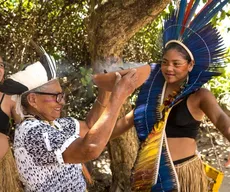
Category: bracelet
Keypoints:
(100, 103)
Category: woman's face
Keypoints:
(2, 70)
(174, 67)
(46, 106)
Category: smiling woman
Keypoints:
(176, 64)
(50, 150)
(43, 104)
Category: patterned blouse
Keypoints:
(38, 149)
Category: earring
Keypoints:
(183, 85)
(187, 79)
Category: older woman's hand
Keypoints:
(124, 85)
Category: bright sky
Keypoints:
(225, 24)
(223, 30)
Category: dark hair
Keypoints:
(179, 48)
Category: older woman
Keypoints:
(50, 150)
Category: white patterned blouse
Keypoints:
(38, 149)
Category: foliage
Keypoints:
(56, 25)
(61, 28)
(86, 76)
(220, 86)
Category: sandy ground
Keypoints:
(221, 147)
(225, 187)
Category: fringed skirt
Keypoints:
(191, 175)
(9, 179)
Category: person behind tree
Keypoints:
(8, 175)
(172, 103)
(50, 150)
(227, 164)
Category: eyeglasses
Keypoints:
(59, 96)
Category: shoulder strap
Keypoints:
(2, 98)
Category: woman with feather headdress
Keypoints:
(172, 102)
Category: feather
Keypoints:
(145, 171)
(180, 17)
(170, 31)
(207, 44)
(188, 9)
(40, 50)
(167, 178)
(49, 63)
(145, 113)
(207, 3)
(46, 59)
(208, 12)
(192, 12)
(196, 81)
(186, 15)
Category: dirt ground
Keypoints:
(225, 187)
(103, 176)
(222, 148)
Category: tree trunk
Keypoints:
(123, 151)
(110, 26)
(123, 154)
(113, 23)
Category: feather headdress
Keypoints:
(199, 38)
(195, 32)
(204, 44)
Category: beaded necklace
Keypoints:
(51, 123)
(171, 97)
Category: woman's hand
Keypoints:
(124, 85)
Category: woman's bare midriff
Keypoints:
(4, 145)
(181, 147)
